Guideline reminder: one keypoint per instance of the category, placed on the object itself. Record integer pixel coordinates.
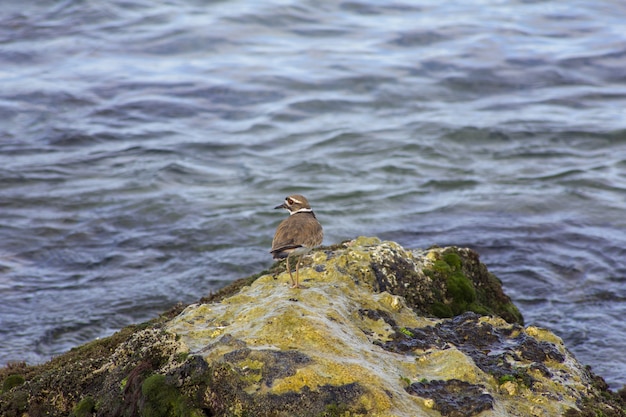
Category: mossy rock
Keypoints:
(85, 408)
(468, 286)
(162, 399)
(258, 347)
(11, 382)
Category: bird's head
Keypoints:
(295, 204)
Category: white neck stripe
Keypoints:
(302, 210)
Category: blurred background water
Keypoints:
(143, 145)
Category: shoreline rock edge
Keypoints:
(380, 331)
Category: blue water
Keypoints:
(143, 145)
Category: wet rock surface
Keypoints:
(501, 351)
(379, 331)
(454, 398)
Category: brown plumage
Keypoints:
(298, 233)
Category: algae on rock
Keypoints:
(380, 331)
(353, 333)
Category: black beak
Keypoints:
(280, 206)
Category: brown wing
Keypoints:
(312, 232)
(296, 231)
(285, 239)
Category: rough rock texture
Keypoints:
(380, 331)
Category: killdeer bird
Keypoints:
(297, 234)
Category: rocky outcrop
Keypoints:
(379, 331)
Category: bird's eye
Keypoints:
(289, 201)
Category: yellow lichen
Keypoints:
(326, 323)
(449, 364)
(315, 376)
(544, 335)
(429, 402)
(509, 387)
(365, 241)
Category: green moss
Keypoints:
(20, 400)
(461, 293)
(441, 310)
(84, 408)
(441, 267)
(459, 287)
(453, 260)
(479, 309)
(514, 313)
(182, 357)
(460, 290)
(406, 332)
(11, 382)
(336, 410)
(506, 378)
(161, 399)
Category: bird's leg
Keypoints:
(297, 285)
(289, 270)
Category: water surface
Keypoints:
(144, 144)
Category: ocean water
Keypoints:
(144, 144)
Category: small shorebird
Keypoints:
(297, 234)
